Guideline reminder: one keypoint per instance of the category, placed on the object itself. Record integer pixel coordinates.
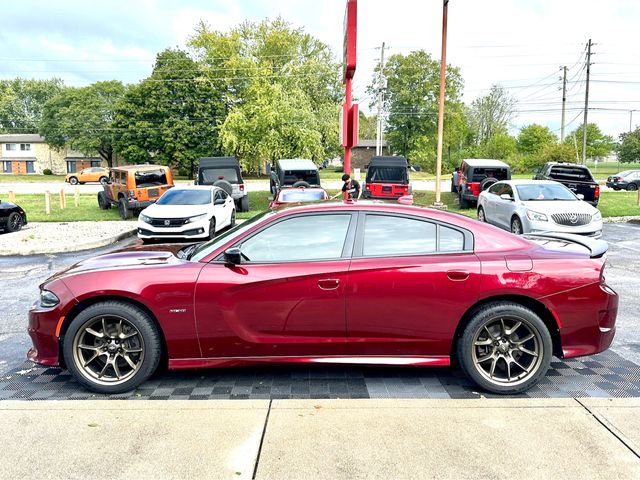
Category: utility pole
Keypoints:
(586, 106)
(631, 120)
(443, 71)
(564, 101)
(382, 81)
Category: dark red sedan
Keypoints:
(342, 283)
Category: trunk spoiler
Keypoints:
(597, 247)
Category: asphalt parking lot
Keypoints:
(615, 373)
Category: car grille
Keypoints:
(172, 222)
(572, 219)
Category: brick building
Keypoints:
(361, 154)
(22, 154)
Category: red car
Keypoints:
(298, 195)
(331, 283)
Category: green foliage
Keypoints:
(598, 144)
(412, 98)
(629, 147)
(533, 138)
(499, 146)
(22, 101)
(81, 118)
(490, 114)
(280, 90)
(557, 153)
(172, 117)
(367, 126)
(47, 171)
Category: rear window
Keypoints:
(151, 178)
(387, 175)
(477, 174)
(568, 172)
(293, 176)
(212, 175)
(301, 196)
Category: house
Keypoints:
(365, 149)
(21, 154)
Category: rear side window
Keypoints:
(387, 175)
(570, 173)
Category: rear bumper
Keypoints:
(136, 205)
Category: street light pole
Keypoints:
(443, 71)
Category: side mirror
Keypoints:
(233, 256)
(219, 201)
(580, 196)
(506, 196)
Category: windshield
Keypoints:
(151, 178)
(211, 175)
(206, 248)
(301, 195)
(185, 197)
(535, 192)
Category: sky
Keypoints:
(519, 44)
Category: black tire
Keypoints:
(123, 209)
(82, 183)
(486, 183)
(212, 228)
(516, 225)
(632, 187)
(149, 341)
(224, 185)
(244, 204)
(103, 180)
(463, 203)
(73, 181)
(301, 184)
(233, 219)
(103, 202)
(616, 189)
(470, 350)
(481, 215)
(14, 222)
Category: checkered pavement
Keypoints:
(603, 375)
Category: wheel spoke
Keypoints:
(527, 351)
(489, 332)
(124, 336)
(119, 329)
(486, 357)
(503, 329)
(91, 331)
(93, 357)
(131, 350)
(116, 369)
(520, 365)
(104, 369)
(129, 361)
(511, 330)
(493, 366)
(104, 328)
(482, 343)
(508, 370)
(524, 339)
(88, 347)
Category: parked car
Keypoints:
(576, 178)
(93, 174)
(298, 195)
(274, 289)
(533, 206)
(295, 173)
(476, 175)
(12, 217)
(134, 187)
(224, 172)
(627, 180)
(387, 178)
(196, 212)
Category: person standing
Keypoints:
(351, 188)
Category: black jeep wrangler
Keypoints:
(294, 173)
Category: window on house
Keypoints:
(71, 166)
(10, 146)
(95, 163)
(25, 147)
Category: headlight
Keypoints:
(536, 216)
(197, 218)
(144, 218)
(596, 216)
(48, 299)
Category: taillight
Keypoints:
(242, 187)
(475, 189)
(368, 187)
(132, 193)
(597, 194)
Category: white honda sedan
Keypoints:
(535, 206)
(196, 212)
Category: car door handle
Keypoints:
(328, 283)
(457, 275)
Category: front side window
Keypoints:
(304, 238)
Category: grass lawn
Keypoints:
(87, 210)
(31, 178)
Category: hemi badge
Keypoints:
(177, 310)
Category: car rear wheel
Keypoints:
(73, 181)
(15, 222)
(244, 204)
(103, 202)
(632, 187)
(516, 226)
(112, 347)
(481, 216)
(123, 209)
(505, 348)
(103, 180)
(212, 228)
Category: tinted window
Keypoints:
(386, 174)
(570, 172)
(507, 190)
(495, 188)
(385, 235)
(151, 178)
(301, 195)
(450, 240)
(212, 175)
(312, 237)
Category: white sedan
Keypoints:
(535, 206)
(196, 212)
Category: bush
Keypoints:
(339, 169)
(47, 171)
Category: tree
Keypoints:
(598, 144)
(367, 126)
(258, 63)
(172, 117)
(499, 146)
(81, 118)
(629, 147)
(411, 99)
(557, 152)
(533, 138)
(22, 101)
(491, 114)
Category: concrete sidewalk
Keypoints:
(489, 438)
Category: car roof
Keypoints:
(297, 164)
(393, 161)
(484, 162)
(529, 182)
(218, 162)
(196, 187)
(140, 167)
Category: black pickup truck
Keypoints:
(576, 178)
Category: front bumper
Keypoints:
(593, 229)
(199, 229)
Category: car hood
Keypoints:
(175, 211)
(552, 207)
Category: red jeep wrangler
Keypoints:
(387, 177)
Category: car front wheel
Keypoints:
(481, 216)
(73, 181)
(516, 226)
(505, 348)
(15, 222)
(112, 347)
(632, 187)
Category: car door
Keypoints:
(410, 282)
(491, 198)
(286, 298)
(221, 211)
(504, 208)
